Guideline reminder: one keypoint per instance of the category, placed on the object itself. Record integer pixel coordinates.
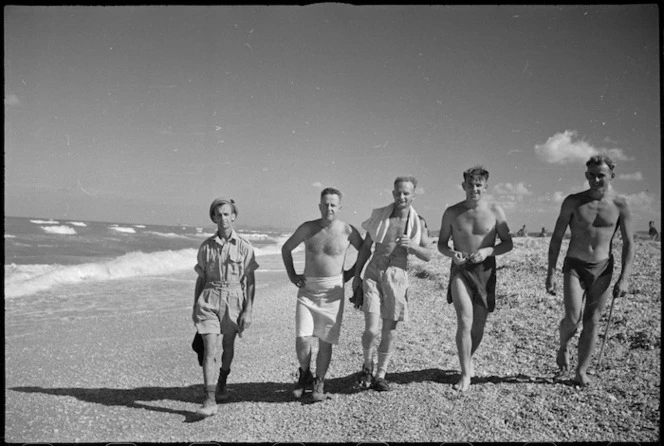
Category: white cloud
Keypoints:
(566, 148)
(420, 190)
(511, 189)
(558, 197)
(636, 176)
(643, 201)
(317, 184)
(12, 99)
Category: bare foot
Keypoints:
(562, 359)
(463, 384)
(582, 379)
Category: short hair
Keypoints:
(406, 179)
(598, 160)
(474, 172)
(651, 222)
(330, 191)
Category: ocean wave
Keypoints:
(167, 234)
(123, 229)
(22, 280)
(9, 236)
(45, 222)
(66, 230)
(139, 226)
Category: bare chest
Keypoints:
(596, 214)
(475, 222)
(329, 244)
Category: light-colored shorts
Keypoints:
(320, 308)
(386, 291)
(218, 309)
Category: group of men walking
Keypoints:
(479, 232)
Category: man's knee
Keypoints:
(570, 323)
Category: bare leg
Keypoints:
(480, 314)
(210, 361)
(323, 358)
(371, 324)
(464, 311)
(303, 350)
(228, 344)
(210, 374)
(573, 303)
(385, 347)
(596, 299)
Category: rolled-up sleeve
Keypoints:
(201, 260)
(250, 264)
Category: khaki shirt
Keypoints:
(225, 261)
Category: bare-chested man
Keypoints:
(593, 217)
(473, 225)
(320, 300)
(397, 231)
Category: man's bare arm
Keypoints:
(362, 256)
(445, 234)
(356, 240)
(562, 222)
(299, 236)
(458, 257)
(627, 257)
(422, 250)
(503, 233)
(245, 319)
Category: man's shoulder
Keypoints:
(243, 242)
(456, 208)
(208, 240)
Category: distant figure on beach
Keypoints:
(522, 232)
(543, 232)
(652, 231)
(223, 298)
(397, 231)
(593, 217)
(473, 225)
(320, 299)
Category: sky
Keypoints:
(145, 114)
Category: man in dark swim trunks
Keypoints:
(593, 217)
(473, 225)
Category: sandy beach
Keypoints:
(113, 363)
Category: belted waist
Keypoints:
(222, 284)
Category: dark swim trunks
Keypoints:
(590, 272)
(480, 278)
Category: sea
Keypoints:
(47, 256)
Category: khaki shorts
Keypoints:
(218, 309)
(386, 292)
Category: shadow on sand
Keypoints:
(269, 392)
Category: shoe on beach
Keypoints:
(305, 380)
(208, 408)
(365, 378)
(380, 385)
(319, 390)
(222, 391)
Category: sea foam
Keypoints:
(66, 230)
(22, 280)
(123, 229)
